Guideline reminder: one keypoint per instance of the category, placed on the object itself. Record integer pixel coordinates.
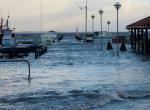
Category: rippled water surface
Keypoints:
(74, 75)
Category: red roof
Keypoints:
(144, 23)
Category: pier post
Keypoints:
(134, 47)
(36, 54)
(142, 37)
(138, 38)
(146, 41)
(131, 38)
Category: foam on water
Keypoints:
(74, 100)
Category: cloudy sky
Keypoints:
(65, 15)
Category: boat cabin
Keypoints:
(7, 35)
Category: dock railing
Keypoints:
(29, 75)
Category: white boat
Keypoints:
(48, 38)
(45, 39)
(53, 35)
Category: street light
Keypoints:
(101, 12)
(117, 5)
(92, 16)
(108, 22)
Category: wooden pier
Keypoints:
(20, 51)
(139, 37)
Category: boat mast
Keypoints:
(7, 22)
(77, 32)
(86, 19)
(41, 19)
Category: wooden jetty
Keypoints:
(20, 51)
(139, 37)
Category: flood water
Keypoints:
(74, 75)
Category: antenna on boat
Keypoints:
(7, 22)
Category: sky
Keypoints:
(65, 15)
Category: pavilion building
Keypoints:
(139, 38)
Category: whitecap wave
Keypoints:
(73, 100)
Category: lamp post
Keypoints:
(108, 22)
(117, 5)
(93, 16)
(101, 12)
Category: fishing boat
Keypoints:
(8, 45)
(7, 35)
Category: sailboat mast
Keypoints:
(77, 31)
(86, 19)
(41, 18)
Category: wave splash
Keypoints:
(73, 100)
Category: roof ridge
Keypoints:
(141, 23)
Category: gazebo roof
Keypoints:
(144, 23)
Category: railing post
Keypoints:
(29, 72)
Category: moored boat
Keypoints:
(53, 35)
(49, 37)
(7, 35)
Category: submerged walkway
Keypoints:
(72, 75)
